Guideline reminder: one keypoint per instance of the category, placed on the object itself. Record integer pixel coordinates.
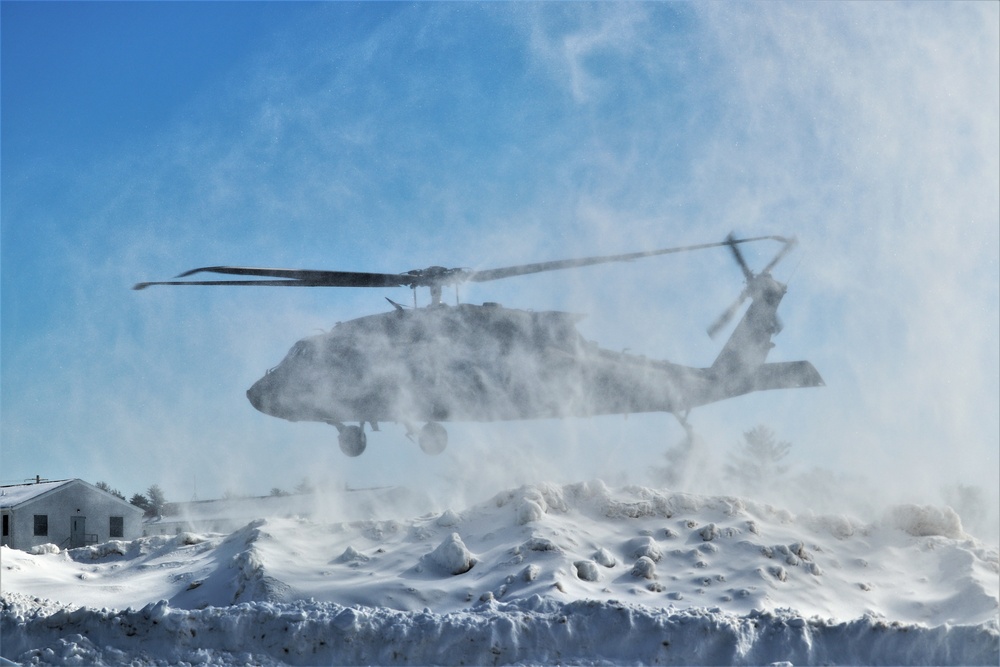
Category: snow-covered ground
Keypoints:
(573, 574)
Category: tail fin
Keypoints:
(740, 367)
(747, 347)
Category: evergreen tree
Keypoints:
(104, 486)
(757, 460)
(140, 501)
(156, 500)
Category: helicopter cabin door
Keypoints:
(77, 531)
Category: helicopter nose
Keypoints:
(256, 395)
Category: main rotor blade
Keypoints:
(239, 283)
(434, 276)
(331, 278)
(290, 278)
(524, 269)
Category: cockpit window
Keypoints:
(301, 350)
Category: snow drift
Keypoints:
(545, 573)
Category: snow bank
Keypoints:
(533, 630)
(546, 573)
(926, 521)
(47, 548)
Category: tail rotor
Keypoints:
(755, 286)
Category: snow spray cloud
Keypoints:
(489, 136)
(869, 132)
(879, 131)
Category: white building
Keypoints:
(68, 513)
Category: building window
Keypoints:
(6, 525)
(41, 525)
(117, 526)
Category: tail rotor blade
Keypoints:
(787, 248)
(727, 315)
(731, 242)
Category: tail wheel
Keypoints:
(433, 438)
(352, 440)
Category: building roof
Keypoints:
(15, 494)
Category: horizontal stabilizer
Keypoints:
(786, 375)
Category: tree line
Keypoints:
(151, 503)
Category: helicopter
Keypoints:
(441, 363)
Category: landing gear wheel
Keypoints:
(353, 440)
(433, 438)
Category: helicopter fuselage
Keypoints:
(468, 363)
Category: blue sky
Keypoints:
(143, 139)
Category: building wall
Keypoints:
(76, 498)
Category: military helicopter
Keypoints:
(443, 363)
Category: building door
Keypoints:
(77, 531)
